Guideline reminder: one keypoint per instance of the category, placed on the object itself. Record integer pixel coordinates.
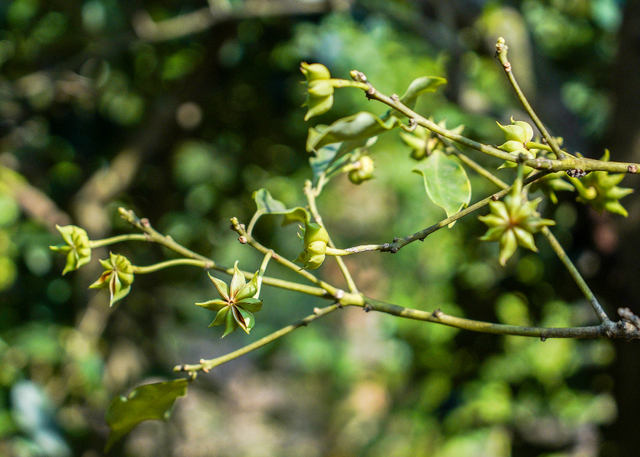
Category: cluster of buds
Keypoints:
(76, 247)
(513, 222)
(117, 276)
(600, 190)
(315, 239)
(423, 141)
(517, 135)
(238, 303)
(320, 88)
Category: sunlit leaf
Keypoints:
(447, 183)
(151, 401)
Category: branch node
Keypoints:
(628, 316)
(339, 294)
(543, 338)
(495, 197)
(395, 98)
(576, 173)
(145, 222)
(316, 311)
(437, 313)
(367, 308)
(242, 239)
(632, 169)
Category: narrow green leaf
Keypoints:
(151, 401)
(420, 86)
(446, 182)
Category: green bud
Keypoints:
(363, 171)
(117, 276)
(76, 247)
(320, 89)
(314, 71)
(518, 131)
(315, 246)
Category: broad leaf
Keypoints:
(447, 183)
(356, 128)
(151, 401)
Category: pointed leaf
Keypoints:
(266, 203)
(360, 126)
(296, 215)
(420, 86)
(151, 401)
(447, 183)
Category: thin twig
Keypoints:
(206, 365)
(501, 54)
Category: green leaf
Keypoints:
(323, 158)
(447, 183)
(420, 86)
(267, 204)
(151, 401)
(356, 128)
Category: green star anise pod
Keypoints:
(76, 247)
(117, 276)
(237, 305)
(600, 190)
(513, 222)
(423, 141)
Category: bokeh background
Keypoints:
(181, 109)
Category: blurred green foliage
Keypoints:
(98, 115)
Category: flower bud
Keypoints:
(363, 171)
(319, 89)
(315, 246)
(314, 71)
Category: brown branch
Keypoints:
(205, 18)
